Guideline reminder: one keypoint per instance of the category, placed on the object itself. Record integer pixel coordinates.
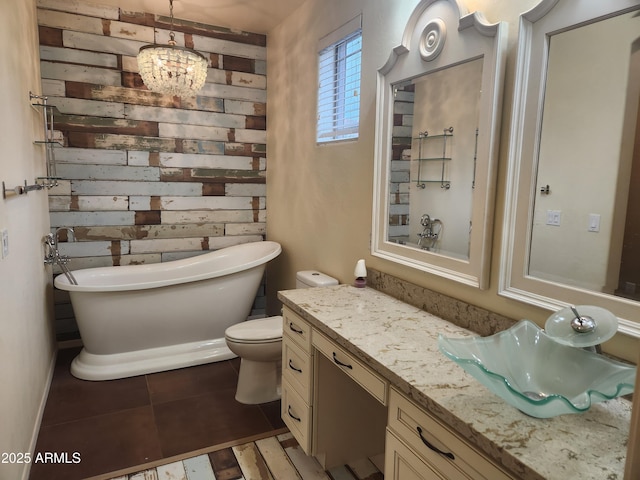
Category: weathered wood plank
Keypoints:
(94, 124)
(206, 203)
(178, 217)
(184, 117)
(102, 187)
(203, 146)
(226, 47)
(276, 459)
(101, 43)
(120, 142)
(225, 465)
(199, 468)
(60, 219)
(172, 471)
(81, 7)
(70, 21)
(108, 172)
(78, 106)
(140, 232)
(91, 155)
(197, 132)
(189, 160)
(168, 245)
(116, 93)
(251, 462)
(245, 108)
(233, 92)
(188, 26)
(70, 55)
(82, 73)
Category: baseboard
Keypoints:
(76, 342)
(43, 404)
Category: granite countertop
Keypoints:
(400, 342)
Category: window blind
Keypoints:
(339, 72)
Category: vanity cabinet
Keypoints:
(333, 404)
(297, 378)
(340, 410)
(421, 447)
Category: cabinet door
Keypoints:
(401, 463)
(297, 368)
(297, 329)
(296, 414)
(437, 444)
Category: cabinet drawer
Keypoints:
(297, 329)
(296, 414)
(296, 368)
(402, 463)
(437, 444)
(367, 379)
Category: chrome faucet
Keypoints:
(52, 254)
(428, 238)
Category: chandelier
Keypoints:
(170, 69)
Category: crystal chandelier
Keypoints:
(170, 69)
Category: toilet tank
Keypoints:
(313, 278)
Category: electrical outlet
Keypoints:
(5, 243)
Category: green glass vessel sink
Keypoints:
(538, 375)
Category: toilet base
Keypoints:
(258, 382)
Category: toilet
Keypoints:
(258, 343)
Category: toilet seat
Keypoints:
(261, 330)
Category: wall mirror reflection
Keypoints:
(437, 125)
(573, 227)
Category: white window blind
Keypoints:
(339, 66)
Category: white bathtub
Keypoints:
(141, 319)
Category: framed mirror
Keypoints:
(437, 126)
(572, 223)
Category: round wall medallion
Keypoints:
(432, 39)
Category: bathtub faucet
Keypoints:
(52, 254)
(428, 238)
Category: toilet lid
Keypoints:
(259, 330)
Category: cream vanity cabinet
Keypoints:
(297, 377)
(340, 410)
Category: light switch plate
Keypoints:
(553, 217)
(5, 243)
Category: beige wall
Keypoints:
(320, 198)
(26, 342)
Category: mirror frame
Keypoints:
(536, 27)
(468, 37)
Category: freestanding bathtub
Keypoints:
(141, 319)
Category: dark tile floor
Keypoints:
(118, 424)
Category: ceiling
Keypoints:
(256, 16)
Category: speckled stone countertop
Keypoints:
(400, 342)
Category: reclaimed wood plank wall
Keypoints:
(400, 181)
(150, 177)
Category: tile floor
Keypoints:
(118, 424)
(277, 457)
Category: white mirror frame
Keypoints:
(536, 25)
(468, 37)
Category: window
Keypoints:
(339, 85)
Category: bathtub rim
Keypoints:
(62, 282)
